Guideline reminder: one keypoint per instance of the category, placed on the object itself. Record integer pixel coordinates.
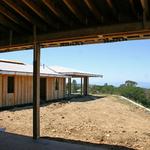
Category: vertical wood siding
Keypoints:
(23, 92)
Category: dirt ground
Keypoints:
(108, 120)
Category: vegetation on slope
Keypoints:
(129, 89)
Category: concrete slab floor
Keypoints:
(10, 141)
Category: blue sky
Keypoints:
(120, 61)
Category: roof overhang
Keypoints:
(31, 74)
(70, 22)
(93, 35)
(78, 75)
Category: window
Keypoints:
(56, 84)
(10, 85)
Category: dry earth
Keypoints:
(108, 120)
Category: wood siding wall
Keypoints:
(51, 92)
(23, 90)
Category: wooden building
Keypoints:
(16, 84)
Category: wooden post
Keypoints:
(69, 86)
(36, 88)
(81, 86)
(85, 86)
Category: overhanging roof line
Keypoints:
(118, 32)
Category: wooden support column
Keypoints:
(69, 86)
(81, 86)
(36, 88)
(85, 86)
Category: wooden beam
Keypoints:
(36, 88)
(113, 9)
(50, 4)
(85, 86)
(34, 7)
(24, 14)
(94, 10)
(133, 8)
(145, 7)
(73, 8)
(69, 86)
(13, 18)
(91, 35)
(81, 86)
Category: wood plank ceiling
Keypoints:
(71, 22)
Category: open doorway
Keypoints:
(43, 89)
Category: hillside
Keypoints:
(109, 120)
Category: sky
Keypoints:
(118, 62)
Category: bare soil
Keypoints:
(107, 120)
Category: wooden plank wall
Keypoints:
(51, 92)
(23, 93)
(23, 90)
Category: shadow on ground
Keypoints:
(9, 141)
(103, 146)
(73, 98)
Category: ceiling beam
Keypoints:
(24, 14)
(98, 34)
(133, 8)
(113, 9)
(73, 8)
(13, 18)
(94, 10)
(145, 7)
(36, 9)
(50, 4)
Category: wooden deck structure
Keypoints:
(26, 24)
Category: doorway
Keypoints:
(43, 89)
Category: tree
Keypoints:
(130, 83)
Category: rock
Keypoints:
(123, 131)
(53, 130)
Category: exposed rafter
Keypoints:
(40, 13)
(133, 8)
(73, 8)
(55, 10)
(94, 10)
(145, 7)
(23, 13)
(114, 11)
(13, 18)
